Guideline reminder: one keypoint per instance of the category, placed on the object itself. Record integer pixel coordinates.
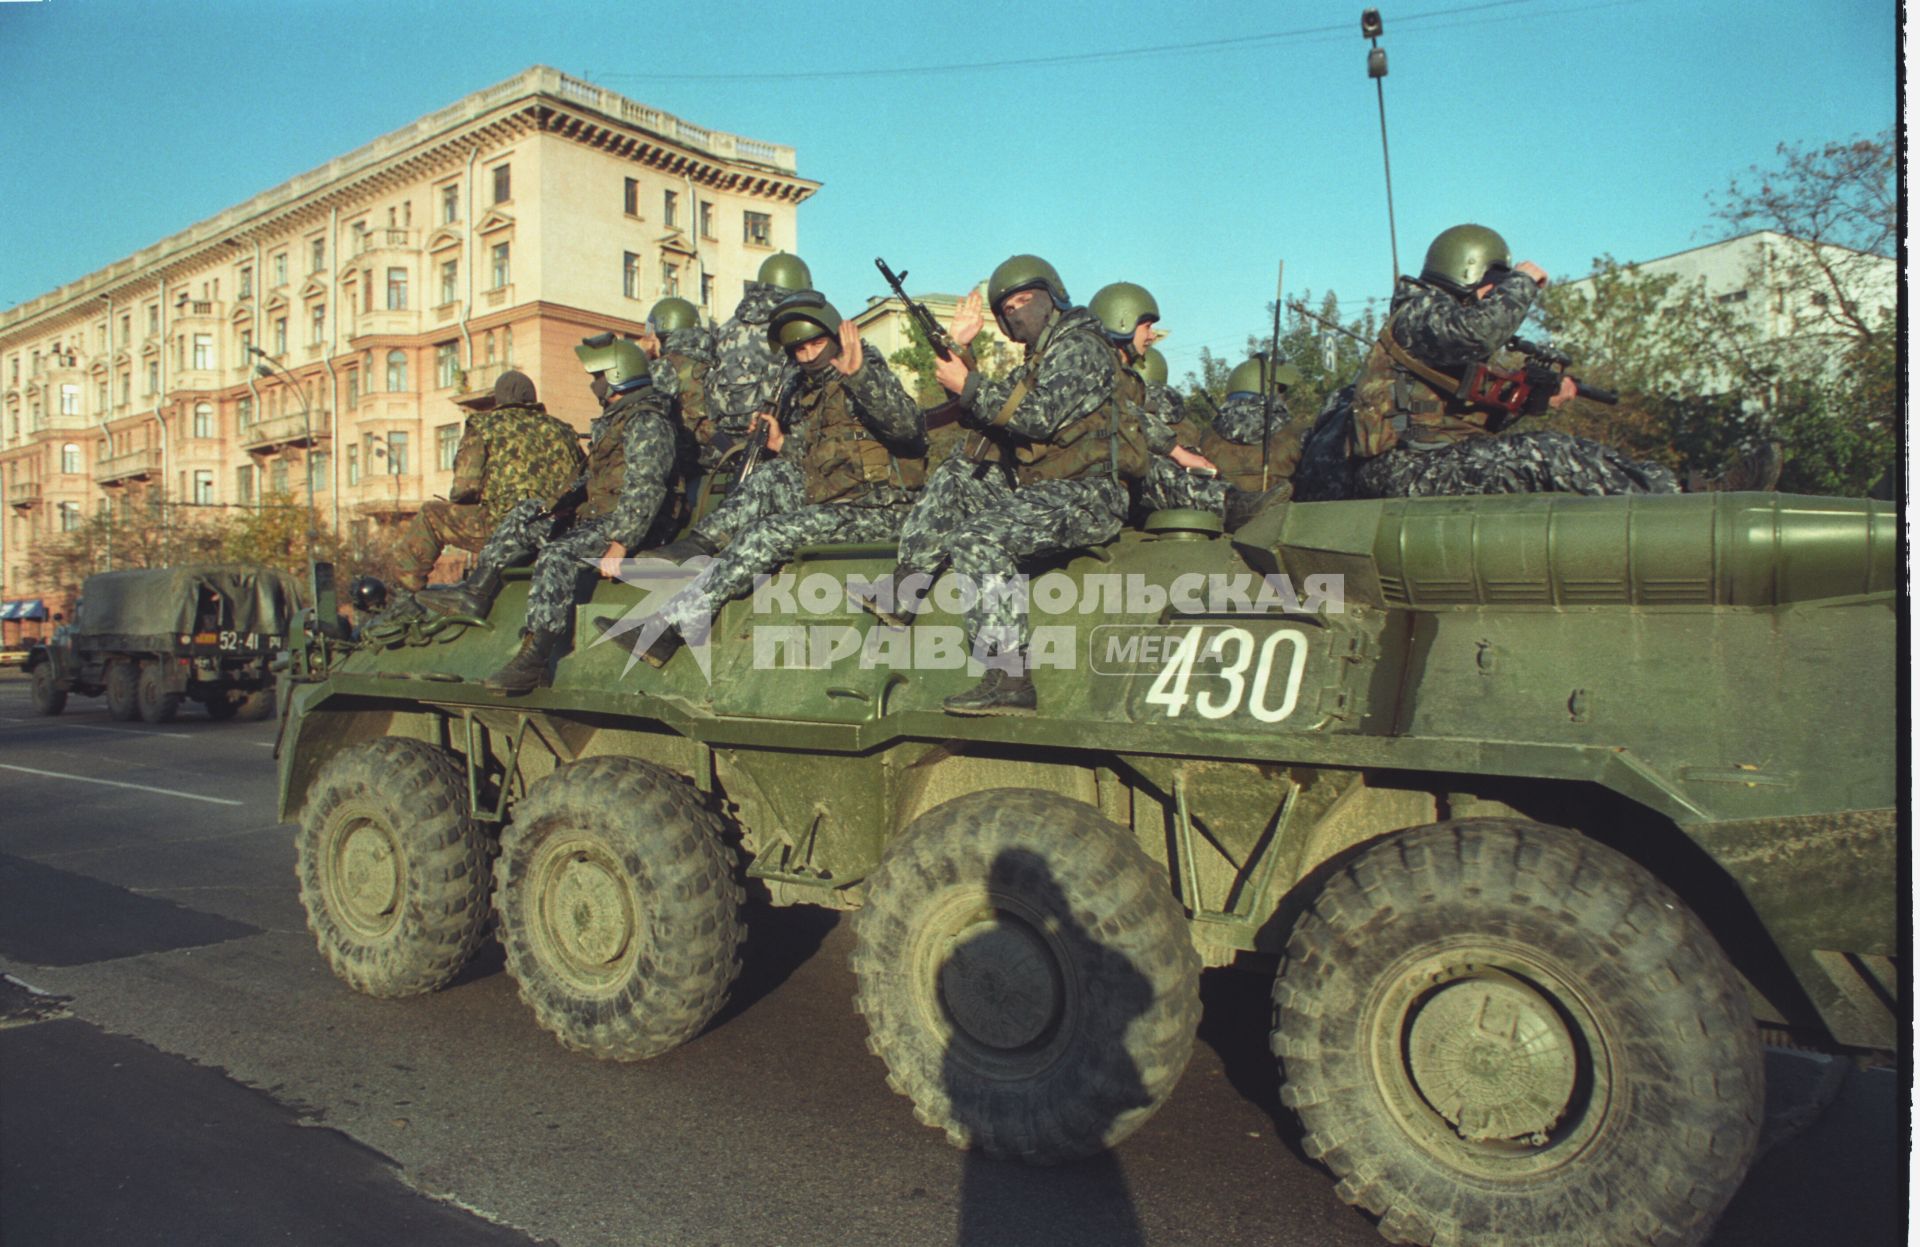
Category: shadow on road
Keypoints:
(779, 941)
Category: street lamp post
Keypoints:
(267, 367)
(1371, 28)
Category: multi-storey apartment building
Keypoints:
(384, 289)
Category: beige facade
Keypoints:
(884, 322)
(390, 284)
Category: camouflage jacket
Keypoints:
(858, 439)
(630, 465)
(1234, 443)
(1070, 376)
(513, 453)
(685, 356)
(748, 372)
(1393, 405)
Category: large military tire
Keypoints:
(393, 868)
(47, 696)
(157, 705)
(1501, 1033)
(1026, 975)
(123, 691)
(219, 709)
(618, 908)
(255, 706)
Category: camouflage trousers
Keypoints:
(438, 524)
(1541, 461)
(987, 530)
(1168, 487)
(776, 486)
(768, 544)
(559, 562)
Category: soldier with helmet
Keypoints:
(512, 455)
(1060, 439)
(614, 509)
(859, 444)
(1413, 432)
(1128, 313)
(1253, 438)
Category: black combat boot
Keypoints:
(1755, 470)
(689, 546)
(527, 669)
(900, 614)
(655, 655)
(999, 693)
(470, 597)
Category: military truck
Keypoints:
(1537, 809)
(150, 638)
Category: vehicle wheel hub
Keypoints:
(1001, 983)
(589, 912)
(1492, 1056)
(369, 875)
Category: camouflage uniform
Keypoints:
(986, 526)
(630, 467)
(1424, 444)
(872, 510)
(748, 371)
(776, 486)
(506, 456)
(1167, 485)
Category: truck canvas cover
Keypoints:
(162, 601)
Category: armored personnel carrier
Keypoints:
(150, 638)
(1537, 809)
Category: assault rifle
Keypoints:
(937, 338)
(1526, 391)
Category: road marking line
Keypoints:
(114, 783)
(101, 727)
(261, 744)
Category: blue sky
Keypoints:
(1575, 127)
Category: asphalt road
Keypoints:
(195, 1074)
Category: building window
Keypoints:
(280, 475)
(319, 255)
(100, 394)
(502, 269)
(630, 275)
(502, 183)
(70, 458)
(69, 400)
(246, 346)
(243, 485)
(632, 200)
(446, 365)
(506, 345)
(759, 229)
(353, 465)
(280, 269)
(317, 476)
(203, 487)
(69, 516)
(670, 210)
(353, 388)
(397, 454)
(706, 290)
(246, 281)
(126, 387)
(449, 280)
(126, 330)
(396, 290)
(153, 322)
(318, 315)
(280, 335)
(706, 219)
(243, 412)
(396, 372)
(202, 420)
(669, 278)
(153, 376)
(446, 442)
(203, 350)
(1738, 296)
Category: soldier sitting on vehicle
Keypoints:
(1420, 425)
(512, 454)
(608, 512)
(1128, 314)
(860, 448)
(1253, 438)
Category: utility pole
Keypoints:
(1370, 29)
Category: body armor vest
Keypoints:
(1107, 439)
(607, 458)
(1400, 401)
(844, 462)
(1239, 463)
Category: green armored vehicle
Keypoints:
(154, 637)
(1543, 806)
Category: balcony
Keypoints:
(136, 465)
(389, 508)
(476, 388)
(267, 436)
(25, 495)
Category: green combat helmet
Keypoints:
(1463, 258)
(1022, 272)
(1245, 379)
(672, 313)
(1121, 307)
(802, 317)
(786, 271)
(623, 361)
(1153, 369)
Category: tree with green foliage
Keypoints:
(991, 358)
